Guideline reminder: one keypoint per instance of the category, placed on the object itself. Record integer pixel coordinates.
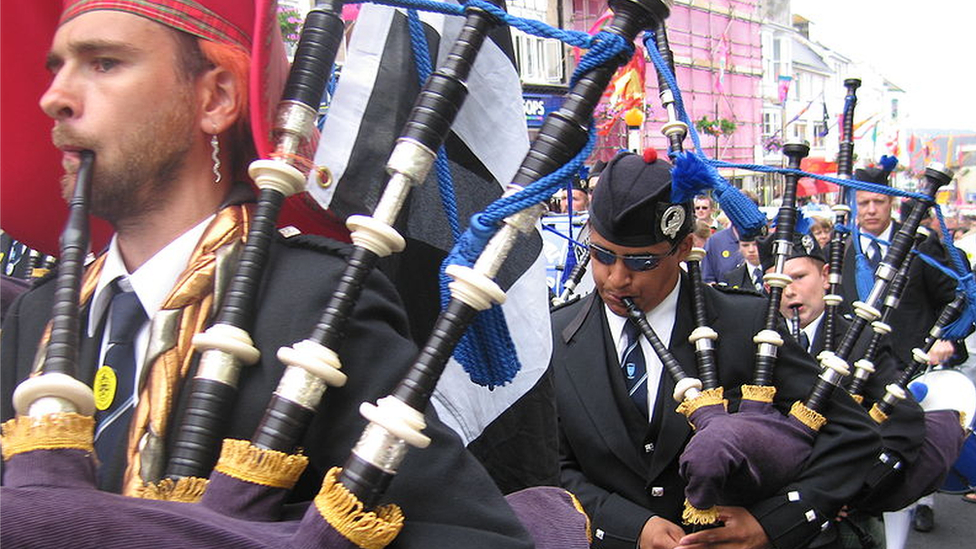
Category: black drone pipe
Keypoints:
(399, 417)
(835, 364)
(842, 212)
(301, 388)
(768, 339)
(226, 346)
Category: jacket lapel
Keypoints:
(674, 428)
(589, 372)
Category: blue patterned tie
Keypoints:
(757, 279)
(874, 257)
(634, 367)
(115, 400)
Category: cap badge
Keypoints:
(807, 242)
(672, 220)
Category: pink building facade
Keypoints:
(718, 61)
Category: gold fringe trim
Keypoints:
(705, 398)
(579, 507)
(962, 421)
(184, 490)
(807, 416)
(759, 393)
(344, 512)
(693, 515)
(61, 431)
(240, 460)
(858, 399)
(877, 415)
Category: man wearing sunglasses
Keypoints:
(620, 437)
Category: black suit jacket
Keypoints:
(740, 278)
(446, 495)
(928, 290)
(622, 482)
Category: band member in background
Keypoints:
(705, 211)
(803, 305)
(722, 251)
(928, 289)
(749, 274)
(620, 436)
(159, 94)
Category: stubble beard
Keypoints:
(135, 182)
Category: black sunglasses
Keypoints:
(639, 263)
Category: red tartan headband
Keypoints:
(219, 21)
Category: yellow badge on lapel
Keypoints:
(725, 254)
(104, 387)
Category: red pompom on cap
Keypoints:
(650, 155)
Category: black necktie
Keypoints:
(804, 341)
(634, 367)
(115, 384)
(874, 255)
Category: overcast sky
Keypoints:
(926, 48)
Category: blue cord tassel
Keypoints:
(888, 163)
(863, 277)
(692, 176)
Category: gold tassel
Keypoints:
(759, 393)
(962, 421)
(240, 460)
(807, 416)
(61, 431)
(579, 507)
(705, 398)
(693, 515)
(344, 512)
(877, 415)
(184, 490)
(858, 399)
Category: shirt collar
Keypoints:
(151, 282)
(661, 318)
(811, 329)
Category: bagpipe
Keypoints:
(718, 466)
(242, 501)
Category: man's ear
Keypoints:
(825, 273)
(221, 105)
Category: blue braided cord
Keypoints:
(664, 71)
(485, 351)
(571, 240)
(692, 175)
(742, 212)
(538, 191)
(962, 326)
(529, 26)
(605, 47)
(324, 105)
(570, 261)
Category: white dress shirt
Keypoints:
(151, 282)
(662, 320)
(885, 236)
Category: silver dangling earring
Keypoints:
(215, 144)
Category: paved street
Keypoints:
(955, 526)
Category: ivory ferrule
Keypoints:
(53, 393)
(886, 271)
(381, 448)
(293, 124)
(881, 327)
(412, 159)
(277, 175)
(863, 369)
(687, 388)
(300, 386)
(398, 419)
(474, 288)
(375, 235)
(866, 311)
(220, 366)
(893, 394)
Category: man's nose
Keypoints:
(61, 100)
